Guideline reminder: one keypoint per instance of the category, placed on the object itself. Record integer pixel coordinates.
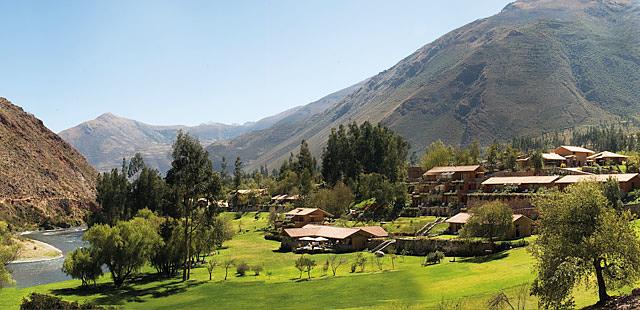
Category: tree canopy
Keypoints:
(582, 238)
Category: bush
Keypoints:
(433, 258)
(242, 268)
(80, 264)
(37, 301)
(237, 215)
(353, 267)
(257, 269)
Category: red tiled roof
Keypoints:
(622, 177)
(306, 211)
(444, 169)
(576, 149)
(333, 232)
(520, 180)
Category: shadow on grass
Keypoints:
(131, 291)
(483, 259)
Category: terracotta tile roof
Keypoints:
(376, 231)
(463, 217)
(334, 232)
(306, 211)
(576, 149)
(552, 156)
(439, 170)
(520, 180)
(460, 218)
(623, 177)
(606, 154)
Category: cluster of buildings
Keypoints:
(309, 231)
(445, 191)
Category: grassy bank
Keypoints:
(408, 285)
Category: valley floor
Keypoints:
(407, 285)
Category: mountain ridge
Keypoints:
(43, 179)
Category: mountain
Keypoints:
(43, 180)
(537, 66)
(107, 139)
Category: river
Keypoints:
(37, 273)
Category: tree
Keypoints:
(300, 264)
(168, 255)
(211, 264)
(191, 178)
(474, 152)
(335, 262)
(492, 220)
(112, 193)
(334, 200)
(611, 190)
(437, 154)
(582, 238)
(8, 252)
(237, 180)
(124, 248)
(537, 161)
(492, 152)
(81, 264)
(227, 264)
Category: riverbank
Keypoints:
(31, 251)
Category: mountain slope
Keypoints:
(107, 139)
(537, 66)
(42, 178)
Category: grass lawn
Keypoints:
(408, 285)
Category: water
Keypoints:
(37, 273)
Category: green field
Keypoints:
(409, 285)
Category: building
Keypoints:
(575, 155)
(606, 157)
(628, 181)
(414, 174)
(522, 225)
(300, 217)
(458, 173)
(330, 238)
(521, 183)
(447, 185)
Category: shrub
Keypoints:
(353, 267)
(433, 258)
(237, 215)
(257, 269)
(37, 301)
(80, 264)
(242, 268)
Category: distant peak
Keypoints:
(107, 116)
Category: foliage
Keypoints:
(581, 239)
(227, 265)
(335, 261)
(8, 252)
(537, 161)
(81, 264)
(191, 177)
(334, 200)
(390, 197)
(211, 265)
(44, 302)
(360, 261)
(242, 268)
(611, 190)
(124, 248)
(168, 255)
(363, 149)
(305, 264)
(257, 269)
(433, 258)
(437, 154)
(493, 220)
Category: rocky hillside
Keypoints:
(43, 180)
(537, 66)
(107, 139)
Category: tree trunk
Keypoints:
(186, 243)
(602, 288)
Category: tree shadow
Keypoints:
(483, 259)
(131, 292)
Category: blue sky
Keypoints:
(192, 62)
